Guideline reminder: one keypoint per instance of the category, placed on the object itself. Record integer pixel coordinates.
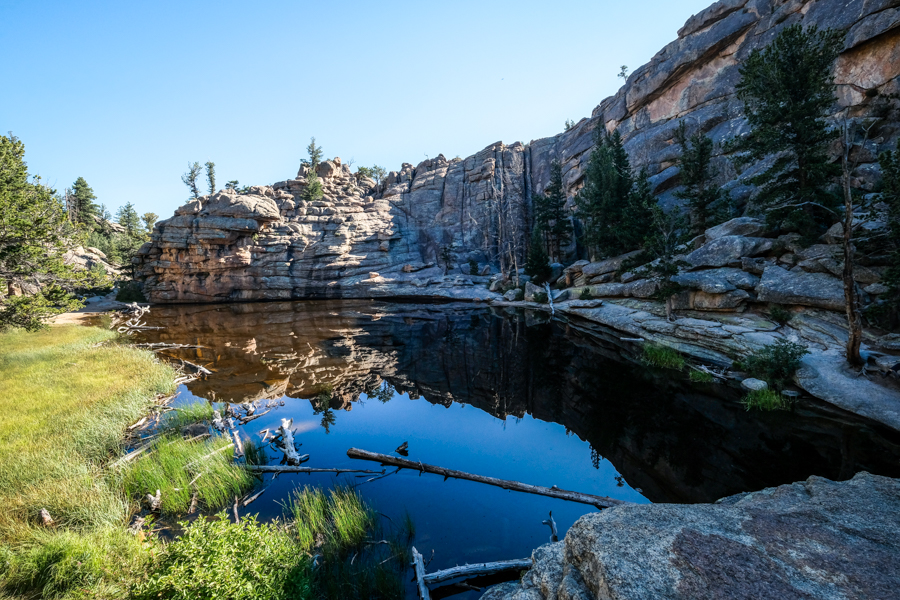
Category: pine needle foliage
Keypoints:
(537, 264)
(788, 90)
(707, 203)
(550, 215)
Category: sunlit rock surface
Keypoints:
(413, 234)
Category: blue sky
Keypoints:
(125, 94)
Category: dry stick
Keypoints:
(292, 469)
(196, 367)
(554, 534)
(553, 492)
(193, 507)
(254, 496)
(287, 441)
(245, 420)
(237, 519)
(420, 574)
(477, 570)
(237, 442)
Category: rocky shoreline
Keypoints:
(812, 539)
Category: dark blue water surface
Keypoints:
(504, 394)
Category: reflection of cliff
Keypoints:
(675, 443)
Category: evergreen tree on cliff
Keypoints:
(890, 196)
(706, 202)
(615, 220)
(190, 179)
(787, 89)
(83, 202)
(537, 264)
(550, 215)
(211, 176)
(35, 234)
(315, 153)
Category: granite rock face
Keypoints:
(426, 221)
(813, 539)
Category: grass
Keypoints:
(187, 415)
(766, 399)
(65, 405)
(663, 357)
(700, 377)
(178, 467)
(775, 364)
(329, 548)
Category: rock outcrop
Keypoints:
(405, 235)
(814, 539)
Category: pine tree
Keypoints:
(35, 235)
(190, 179)
(890, 196)
(149, 220)
(707, 203)
(211, 176)
(788, 89)
(537, 264)
(128, 218)
(315, 153)
(614, 216)
(234, 184)
(313, 190)
(85, 208)
(550, 215)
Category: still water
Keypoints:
(500, 393)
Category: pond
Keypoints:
(500, 393)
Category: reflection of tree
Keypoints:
(322, 406)
(385, 392)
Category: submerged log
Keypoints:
(419, 566)
(287, 442)
(292, 469)
(552, 492)
(477, 570)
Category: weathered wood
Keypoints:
(477, 570)
(247, 419)
(552, 492)
(196, 367)
(419, 566)
(193, 507)
(287, 442)
(237, 519)
(554, 534)
(292, 469)
(237, 442)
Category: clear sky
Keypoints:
(125, 94)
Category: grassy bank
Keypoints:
(66, 402)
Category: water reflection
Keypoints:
(674, 441)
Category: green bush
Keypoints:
(585, 294)
(540, 297)
(775, 364)
(473, 267)
(766, 399)
(219, 559)
(664, 357)
(700, 377)
(131, 291)
(779, 314)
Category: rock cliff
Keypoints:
(416, 233)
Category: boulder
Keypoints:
(327, 169)
(811, 539)
(258, 208)
(745, 226)
(607, 266)
(756, 265)
(717, 281)
(819, 290)
(513, 295)
(531, 290)
(699, 300)
(754, 385)
(730, 249)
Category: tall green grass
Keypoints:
(178, 468)
(69, 392)
(766, 399)
(663, 357)
(188, 415)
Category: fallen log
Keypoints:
(552, 492)
(287, 442)
(477, 570)
(419, 566)
(292, 469)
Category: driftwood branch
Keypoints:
(291, 469)
(287, 443)
(419, 567)
(477, 570)
(554, 534)
(552, 492)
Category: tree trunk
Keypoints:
(851, 297)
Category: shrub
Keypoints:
(473, 267)
(663, 357)
(585, 294)
(131, 291)
(766, 399)
(540, 297)
(775, 363)
(219, 559)
(779, 314)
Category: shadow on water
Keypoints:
(554, 407)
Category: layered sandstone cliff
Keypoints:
(414, 234)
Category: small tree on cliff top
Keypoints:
(190, 179)
(788, 89)
(315, 154)
(211, 176)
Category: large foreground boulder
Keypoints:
(780, 286)
(813, 539)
